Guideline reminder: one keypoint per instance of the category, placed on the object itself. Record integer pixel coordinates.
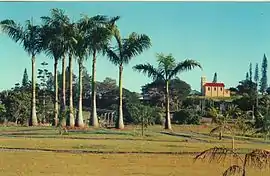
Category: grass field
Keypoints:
(42, 151)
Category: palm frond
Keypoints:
(134, 45)
(185, 65)
(12, 29)
(149, 70)
(217, 154)
(258, 158)
(113, 56)
(166, 63)
(233, 170)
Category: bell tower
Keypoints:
(203, 81)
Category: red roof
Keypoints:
(214, 84)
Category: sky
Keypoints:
(223, 36)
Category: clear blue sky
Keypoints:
(224, 37)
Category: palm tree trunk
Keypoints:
(93, 114)
(168, 116)
(120, 121)
(79, 119)
(33, 120)
(71, 120)
(55, 92)
(220, 135)
(63, 102)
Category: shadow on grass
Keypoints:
(79, 151)
(185, 136)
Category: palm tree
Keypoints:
(121, 54)
(56, 47)
(81, 52)
(98, 36)
(30, 38)
(258, 158)
(71, 42)
(167, 70)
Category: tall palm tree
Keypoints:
(30, 38)
(55, 46)
(81, 52)
(167, 70)
(121, 54)
(70, 43)
(98, 36)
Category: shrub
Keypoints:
(186, 116)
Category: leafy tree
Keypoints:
(98, 35)
(2, 112)
(30, 37)
(263, 82)
(257, 158)
(135, 114)
(121, 54)
(215, 78)
(247, 87)
(43, 75)
(155, 93)
(186, 116)
(167, 70)
(17, 104)
(25, 80)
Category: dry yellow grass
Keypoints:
(57, 164)
(31, 163)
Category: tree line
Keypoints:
(62, 39)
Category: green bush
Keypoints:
(186, 116)
(135, 111)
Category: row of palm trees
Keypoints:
(59, 37)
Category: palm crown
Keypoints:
(28, 35)
(167, 67)
(127, 48)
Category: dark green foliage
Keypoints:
(250, 72)
(138, 113)
(263, 82)
(247, 87)
(155, 92)
(2, 113)
(25, 80)
(186, 116)
(215, 78)
(256, 74)
(18, 105)
(247, 76)
(245, 103)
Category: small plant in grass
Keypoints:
(223, 126)
(258, 158)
